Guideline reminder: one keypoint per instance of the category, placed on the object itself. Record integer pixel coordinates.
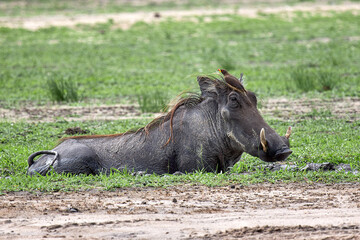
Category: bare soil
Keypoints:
(267, 211)
(281, 108)
(52, 113)
(340, 108)
(126, 20)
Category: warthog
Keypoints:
(208, 131)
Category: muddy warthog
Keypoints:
(206, 132)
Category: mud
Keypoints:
(267, 211)
(310, 167)
(277, 108)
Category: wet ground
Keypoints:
(267, 211)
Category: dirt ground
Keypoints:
(126, 20)
(287, 109)
(278, 108)
(267, 211)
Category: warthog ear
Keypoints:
(207, 87)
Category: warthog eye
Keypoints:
(233, 101)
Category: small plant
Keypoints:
(304, 79)
(63, 89)
(241, 167)
(327, 80)
(152, 101)
(307, 79)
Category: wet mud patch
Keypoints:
(75, 130)
(266, 211)
(310, 167)
(291, 232)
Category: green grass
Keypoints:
(112, 65)
(62, 182)
(323, 140)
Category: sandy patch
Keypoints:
(126, 20)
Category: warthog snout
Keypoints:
(274, 148)
(282, 154)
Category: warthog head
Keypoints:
(244, 127)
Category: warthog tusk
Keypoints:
(288, 133)
(263, 139)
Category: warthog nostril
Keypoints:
(282, 154)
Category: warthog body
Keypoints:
(207, 132)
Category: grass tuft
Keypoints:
(152, 101)
(307, 79)
(304, 79)
(63, 89)
(327, 80)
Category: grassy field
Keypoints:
(307, 55)
(312, 54)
